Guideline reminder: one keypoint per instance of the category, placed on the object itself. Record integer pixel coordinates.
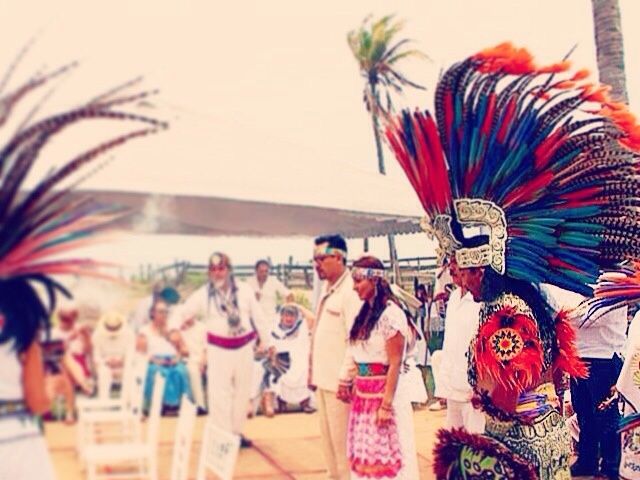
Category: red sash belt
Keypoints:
(231, 342)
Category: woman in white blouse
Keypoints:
(380, 441)
(166, 357)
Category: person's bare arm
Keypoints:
(395, 352)
(178, 342)
(141, 343)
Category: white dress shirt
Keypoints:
(461, 325)
(601, 337)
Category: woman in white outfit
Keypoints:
(23, 451)
(380, 438)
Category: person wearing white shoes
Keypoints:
(236, 326)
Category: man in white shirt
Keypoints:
(267, 288)
(235, 324)
(461, 324)
(337, 308)
(599, 343)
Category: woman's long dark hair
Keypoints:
(24, 313)
(370, 312)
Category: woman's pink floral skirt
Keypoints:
(374, 452)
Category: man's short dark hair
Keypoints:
(333, 241)
(262, 261)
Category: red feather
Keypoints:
(529, 191)
(568, 359)
(488, 117)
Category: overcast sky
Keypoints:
(267, 93)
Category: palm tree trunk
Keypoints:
(376, 127)
(609, 47)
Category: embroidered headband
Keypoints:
(325, 249)
(360, 272)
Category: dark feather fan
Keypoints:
(39, 226)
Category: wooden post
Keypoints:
(393, 258)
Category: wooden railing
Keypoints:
(294, 275)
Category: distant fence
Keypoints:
(293, 275)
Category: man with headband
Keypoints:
(338, 306)
(235, 324)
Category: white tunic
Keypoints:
(157, 344)
(22, 448)
(461, 325)
(292, 386)
(267, 294)
(202, 306)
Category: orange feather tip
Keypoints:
(510, 59)
(555, 67)
(581, 75)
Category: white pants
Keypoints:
(23, 451)
(229, 385)
(334, 418)
(195, 379)
(463, 415)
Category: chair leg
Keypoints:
(153, 467)
(92, 471)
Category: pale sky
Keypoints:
(264, 97)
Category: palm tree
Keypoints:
(609, 47)
(372, 46)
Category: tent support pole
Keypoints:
(393, 258)
(365, 242)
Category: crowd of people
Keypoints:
(350, 358)
(529, 181)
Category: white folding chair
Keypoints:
(183, 438)
(116, 419)
(219, 452)
(141, 455)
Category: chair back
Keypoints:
(183, 438)
(155, 411)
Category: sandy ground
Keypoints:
(285, 447)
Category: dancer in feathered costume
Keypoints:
(528, 176)
(36, 228)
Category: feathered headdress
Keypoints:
(615, 290)
(40, 225)
(527, 169)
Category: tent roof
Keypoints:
(200, 215)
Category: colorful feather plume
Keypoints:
(549, 148)
(615, 290)
(38, 227)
